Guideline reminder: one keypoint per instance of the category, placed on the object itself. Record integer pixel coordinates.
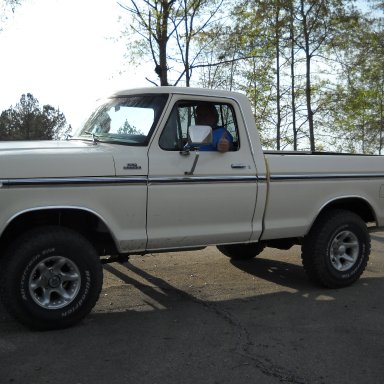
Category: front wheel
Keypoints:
(336, 251)
(51, 278)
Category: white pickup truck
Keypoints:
(137, 178)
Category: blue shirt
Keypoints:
(217, 134)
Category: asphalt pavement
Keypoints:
(198, 317)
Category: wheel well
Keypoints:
(83, 222)
(358, 206)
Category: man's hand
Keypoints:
(223, 145)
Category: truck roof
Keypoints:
(179, 90)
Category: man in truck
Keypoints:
(206, 114)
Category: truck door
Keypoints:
(213, 205)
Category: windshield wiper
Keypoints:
(95, 138)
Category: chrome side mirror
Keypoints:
(199, 134)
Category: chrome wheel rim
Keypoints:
(54, 282)
(344, 251)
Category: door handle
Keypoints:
(238, 166)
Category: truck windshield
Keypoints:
(126, 120)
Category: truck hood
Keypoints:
(30, 159)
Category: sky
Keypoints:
(65, 53)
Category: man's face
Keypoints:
(205, 116)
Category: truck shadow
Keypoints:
(163, 294)
(278, 272)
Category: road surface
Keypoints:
(198, 317)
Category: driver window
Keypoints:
(185, 114)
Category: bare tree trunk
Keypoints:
(308, 93)
(293, 85)
(162, 33)
(278, 96)
(308, 97)
(187, 46)
(381, 114)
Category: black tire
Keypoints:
(241, 251)
(51, 278)
(336, 250)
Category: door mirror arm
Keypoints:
(197, 135)
(197, 155)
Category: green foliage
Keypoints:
(356, 102)
(27, 121)
(313, 70)
(285, 61)
(128, 129)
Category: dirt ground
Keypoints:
(198, 317)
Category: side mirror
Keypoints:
(199, 134)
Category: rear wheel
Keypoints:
(336, 251)
(241, 251)
(51, 278)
